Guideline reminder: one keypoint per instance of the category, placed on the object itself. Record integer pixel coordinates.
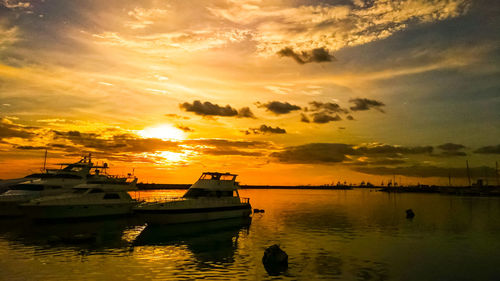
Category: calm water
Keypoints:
(328, 235)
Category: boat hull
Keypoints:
(48, 212)
(11, 209)
(174, 216)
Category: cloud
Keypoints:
(11, 130)
(451, 146)
(325, 153)
(303, 57)
(323, 117)
(366, 104)
(328, 107)
(231, 143)
(314, 153)
(245, 112)
(210, 109)
(304, 118)
(185, 128)
(451, 150)
(121, 145)
(393, 149)
(278, 108)
(211, 151)
(334, 25)
(264, 129)
(424, 171)
(492, 149)
(175, 116)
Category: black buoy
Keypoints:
(410, 214)
(275, 260)
(258, 211)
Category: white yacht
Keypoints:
(51, 182)
(214, 196)
(102, 195)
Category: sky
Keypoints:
(278, 92)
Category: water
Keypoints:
(328, 235)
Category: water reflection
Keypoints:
(84, 237)
(213, 242)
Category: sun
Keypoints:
(164, 132)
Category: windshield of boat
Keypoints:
(217, 176)
(200, 192)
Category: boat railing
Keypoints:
(162, 200)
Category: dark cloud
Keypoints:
(278, 108)
(304, 118)
(327, 107)
(451, 146)
(324, 117)
(221, 152)
(121, 146)
(303, 57)
(450, 150)
(11, 130)
(224, 143)
(314, 153)
(366, 104)
(208, 109)
(488, 149)
(425, 171)
(338, 152)
(29, 147)
(264, 129)
(245, 112)
(185, 128)
(392, 149)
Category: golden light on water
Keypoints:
(164, 132)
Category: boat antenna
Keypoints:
(496, 172)
(468, 173)
(45, 160)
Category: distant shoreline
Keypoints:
(450, 190)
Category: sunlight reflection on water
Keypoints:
(336, 234)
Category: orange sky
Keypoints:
(279, 92)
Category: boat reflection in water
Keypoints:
(209, 242)
(82, 237)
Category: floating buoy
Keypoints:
(275, 260)
(410, 214)
(258, 211)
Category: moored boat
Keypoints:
(214, 196)
(50, 182)
(101, 196)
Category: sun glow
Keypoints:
(164, 132)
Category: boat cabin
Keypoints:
(214, 185)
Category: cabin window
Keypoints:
(196, 192)
(111, 196)
(54, 186)
(199, 192)
(96, 190)
(30, 187)
(226, 177)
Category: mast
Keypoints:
(496, 172)
(45, 160)
(468, 173)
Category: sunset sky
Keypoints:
(279, 92)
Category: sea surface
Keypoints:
(358, 234)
